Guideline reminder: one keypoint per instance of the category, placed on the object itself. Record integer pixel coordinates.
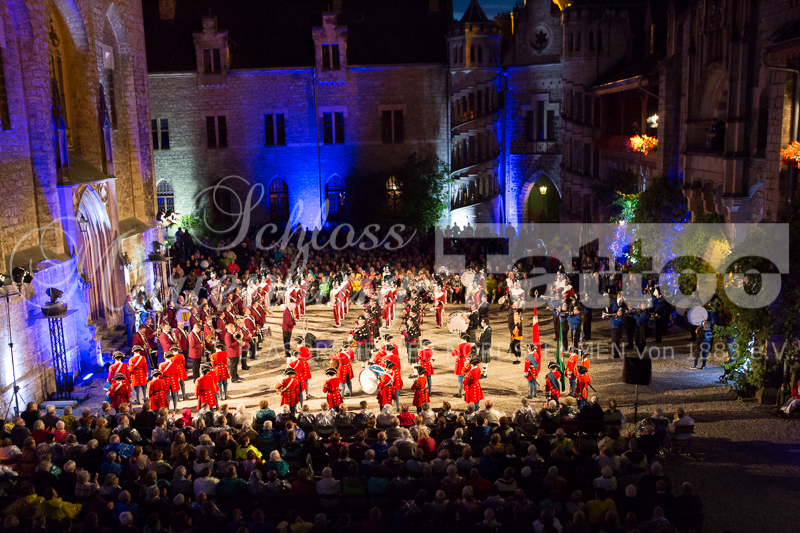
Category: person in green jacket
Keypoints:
(231, 484)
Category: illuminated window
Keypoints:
(394, 197)
(278, 200)
(166, 197)
(160, 129)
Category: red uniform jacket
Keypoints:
(194, 319)
(386, 389)
(157, 392)
(170, 375)
(420, 388)
(331, 388)
(345, 370)
(183, 339)
(288, 320)
(220, 362)
(139, 370)
(232, 347)
(533, 364)
(582, 387)
(146, 342)
(118, 368)
(298, 367)
(461, 353)
(205, 388)
(166, 340)
(424, 359)
(473, 392)
(119, 392)
(196, 345)
(572, 362)
(551, 386)
(304, 372)
(290, 394)
(180, 364)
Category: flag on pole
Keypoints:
(559, 355)
(535, 338)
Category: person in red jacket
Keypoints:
(344, 368)
(157, 391)
(582, 386)
(118, 367)
(206, 388)
(120, 391)
(425, 359)
(331, 388)
(180, 367)
(171, 376)
(219, 360)
(572, 369)
(196, 349)
(139, 371)
(234, 350)
(167, 338)
(386, 385)
(473, 393)
(296, 364)
(461, 353)
(552, 390)
(287, 326)
(303, 370)
(533, 363)
(421, 388)
(289, 389)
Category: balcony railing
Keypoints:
(472, 198)
(469, 163)
(471, 116)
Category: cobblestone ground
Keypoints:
(739, 447)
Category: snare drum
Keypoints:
(370, 377)
(697, 315)
(458, 322)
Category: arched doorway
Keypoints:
(98, 254)
(278, 200)
(543, 203)
(336, 194)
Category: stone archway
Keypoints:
(537, 207)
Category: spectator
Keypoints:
(329, 490)
(597, 508)
(612, 416)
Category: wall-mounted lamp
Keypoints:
(543, 189)
(83, 224)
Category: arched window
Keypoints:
(336, 194)
(394, 197)
(278, 200)
(166, 197)
(480, 54)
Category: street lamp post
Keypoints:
(543, 192)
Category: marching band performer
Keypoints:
(386, 385)
(473, 393)
(146, 339)
(195, 317)
(289, 389)
(167, 339)
(180, 366)
(297, 365)
(438, 304)
(120, 390)
(344, 368)
(485, 345)
(206, 388)
(571, 369)
(251, 325)
(171, 375)
(332, 389)
(421, 388)
(552, 390)
(138, 371)
(461, 353)
(196, 349)
(412, 334)
(533, 362)
(334, 302)
(426, 358)
(157, 391)
(581, 392)
(304, 356)
(233, 348)
(361, 335)
(118, 367)
(245, 342)
(219, 359)
(515, 328)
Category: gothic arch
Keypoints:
(118, 27)
(527, 189)
(712, 100)
(73, 20)
(98, 252)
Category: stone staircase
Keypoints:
(111, 339)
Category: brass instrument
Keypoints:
(279, 388)
(238, 337)
(211, 338)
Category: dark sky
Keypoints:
(491, 7)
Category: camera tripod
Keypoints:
(15, 395)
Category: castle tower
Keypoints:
(476, 97)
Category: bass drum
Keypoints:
(467, 277)
(184, 315)
(458, 322)
(369, 378)
(697, 314)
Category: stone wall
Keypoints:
(305, 162)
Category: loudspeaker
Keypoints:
(637, 371)
(310, 341)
